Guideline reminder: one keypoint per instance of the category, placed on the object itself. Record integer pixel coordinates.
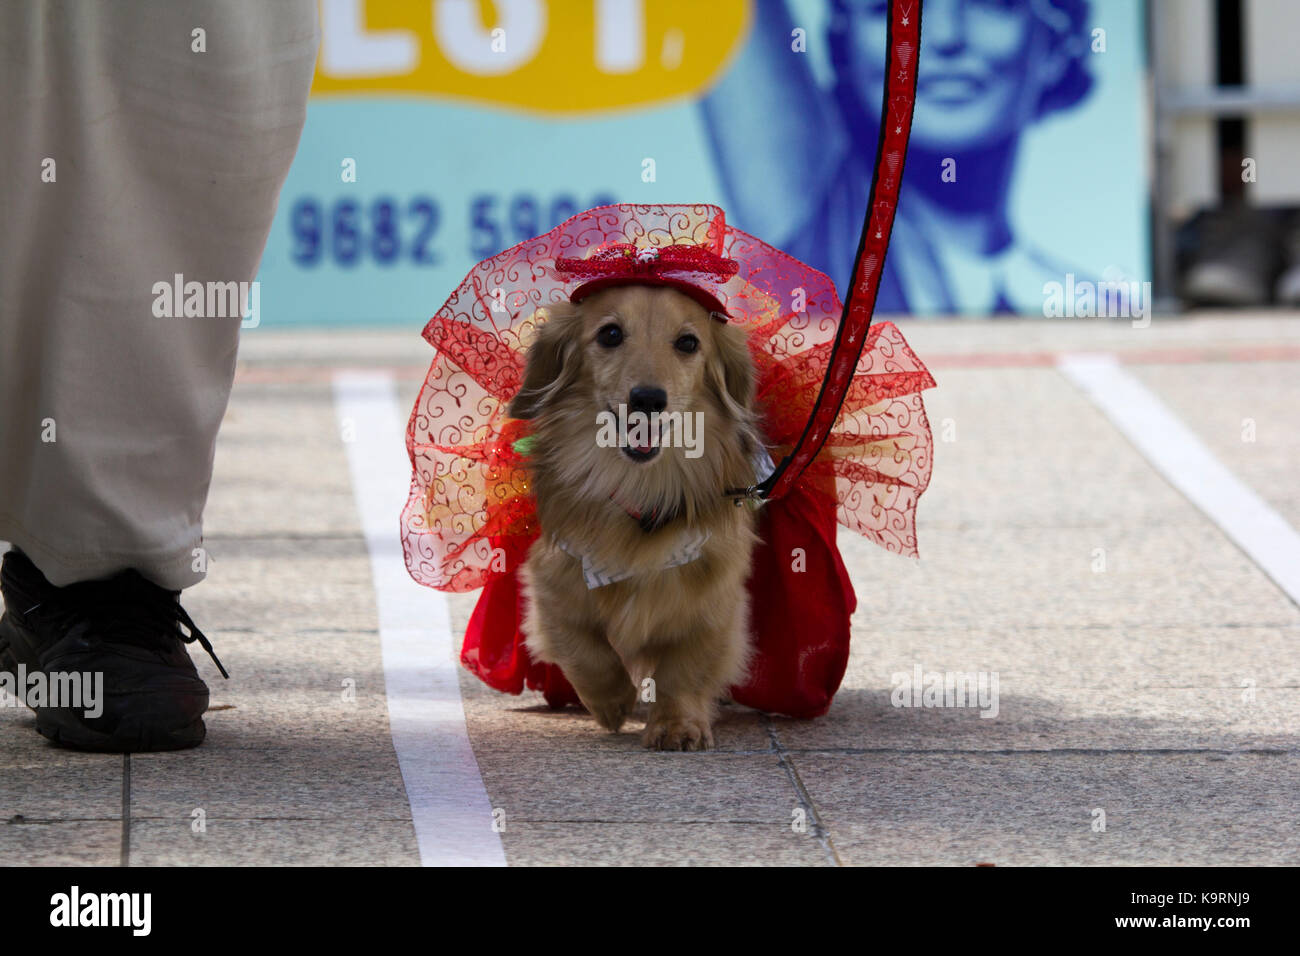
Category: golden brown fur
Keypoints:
(685, 627)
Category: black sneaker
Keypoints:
(126, 628)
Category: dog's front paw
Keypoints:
(610, 713)
(678, 733)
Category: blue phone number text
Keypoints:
(389, 231)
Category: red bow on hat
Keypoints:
(688, 268)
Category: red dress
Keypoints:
(470, 519)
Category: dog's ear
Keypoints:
(732, 372)
(551, 364)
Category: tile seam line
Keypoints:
(124, 858)
(802, 795)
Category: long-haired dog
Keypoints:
(636, 587)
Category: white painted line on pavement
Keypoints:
(1184, 461)
(449, 804)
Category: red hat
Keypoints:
(686, 247)
(693, 269)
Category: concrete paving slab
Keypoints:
(280, 466)
(1057, 718)
(317, 779)
(298, 583)
(61, 843)
(288, 685)
(1246, 415)
(1023, 448)
(255, 720)
(43, 783)
(963, 809)
(1087, 658)
(650, 844)
(273, 843)
(668, 788)
(57, 807)
(1155, 576)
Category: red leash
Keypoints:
(904, 42)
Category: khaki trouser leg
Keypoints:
(164, 161)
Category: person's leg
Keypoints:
(144, 144)
(130, 157)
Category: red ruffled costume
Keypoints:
(470, 519)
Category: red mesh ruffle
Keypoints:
(470, 515)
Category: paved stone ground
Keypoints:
(1120, 690)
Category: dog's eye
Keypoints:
(686, 343)
(610, 336)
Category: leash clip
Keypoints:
(740, 496)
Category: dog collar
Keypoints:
(598, 575)
(760, 461)
(648, 520)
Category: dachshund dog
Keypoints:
(641, 402)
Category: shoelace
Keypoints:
(132, 607)
(194, 634)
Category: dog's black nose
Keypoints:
(647, 399)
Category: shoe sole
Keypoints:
(61, 727)
(67, 733)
